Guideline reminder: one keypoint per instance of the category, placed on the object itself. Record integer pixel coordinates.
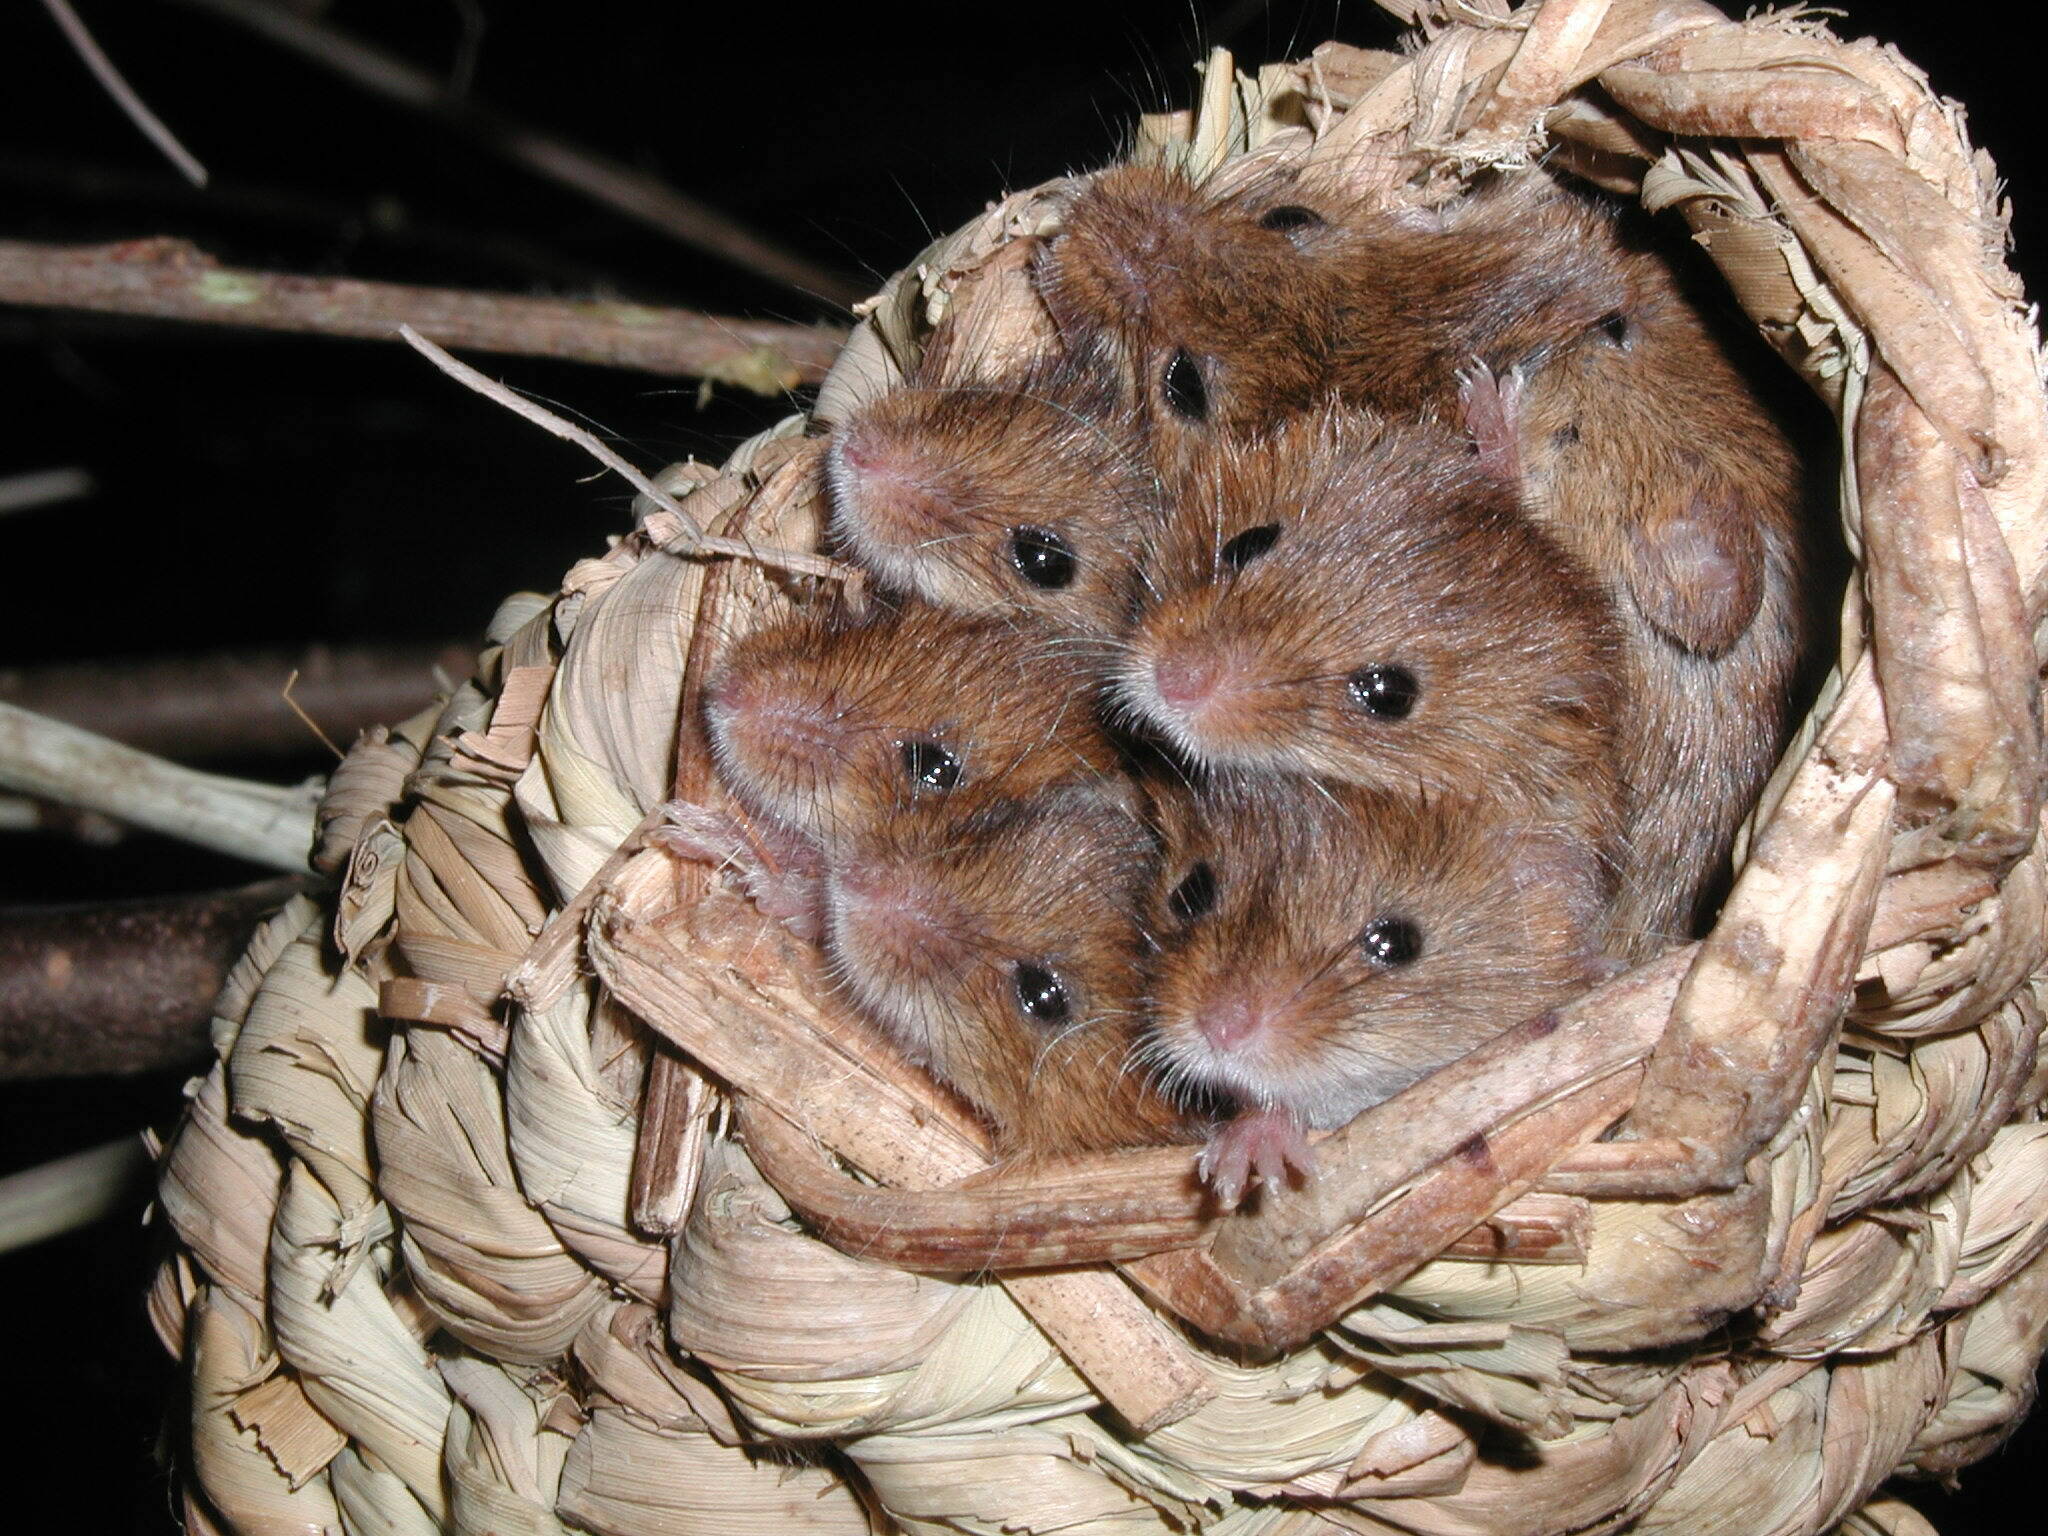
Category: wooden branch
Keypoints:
(123, 988)
(266, 824)
(633, 193)
(232, 704)
(173, 280)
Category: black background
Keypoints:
(264, 490)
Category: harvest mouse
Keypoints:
(1322, 947)
(1023, 494)
(1000, 948)
(832, 726)
(1359, 599)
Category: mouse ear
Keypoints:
(1564, 887)
(1695, 569)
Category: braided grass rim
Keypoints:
(307, 1306)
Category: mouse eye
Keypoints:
(930, 765)
(1042, 558)
(1289, 217)
(1185, 390)
(1615, 328)
(1390, 941)
(1195, 895)
(1249, 545)
(1041, 993)
(1388, 692)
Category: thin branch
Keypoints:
(621, 188)
(694, 541)
(229, 704)
(87, 991)
(110, 80)
(263, 823)
(42, 487)
(172, 280)
(68, 1192)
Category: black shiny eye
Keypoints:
(1185, 391)
(1390, 941)
(930, 765)
(1289, 217)
(1389, 692)
(1042, 558)
(1615, 328)
(1249, 545)
(1041, 993)
(1195, 895)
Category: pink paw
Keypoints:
(1260, 1143)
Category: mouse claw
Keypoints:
(1264, 1145)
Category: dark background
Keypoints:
(264, 490)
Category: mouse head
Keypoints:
(1218, 324)
(832, 728)
(1359, 600)
(1024, 495)
(1001, 949)
(1321, 947)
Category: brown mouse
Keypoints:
(1649, 453)
(1359, 599)
(1321, 947)
(1001, 949)
(1023, 494)
(830, 726)
(1217, 323)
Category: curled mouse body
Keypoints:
(831, 726)
(1024, 494)
(1359, 599)
(1000, 948)
(1652, 457)
(1322, 947)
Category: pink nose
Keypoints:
(1186, 681)
(1228, 1022)
(757, 712)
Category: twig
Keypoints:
(122, 988)
(228, 704)
(172, 280)
(262, 823)
(42, 487)
(110, 80)
(68, 1192)
(627, 191)
(694, 541)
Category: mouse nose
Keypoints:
(1234, 1020)
(1187, 681)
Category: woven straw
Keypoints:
(556, 1261)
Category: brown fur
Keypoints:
(930, 484)
(811, 722)
(1394, 548)
(1147, 265)
(1503, 908)
(1054, 882)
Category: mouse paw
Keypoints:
(1264, 1144)
(1492, 408)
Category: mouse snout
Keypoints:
(1187, 681)
(887, 484)
(760, 722)
(890, 911)
(1191, 688)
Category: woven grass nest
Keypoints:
(537, 1189)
